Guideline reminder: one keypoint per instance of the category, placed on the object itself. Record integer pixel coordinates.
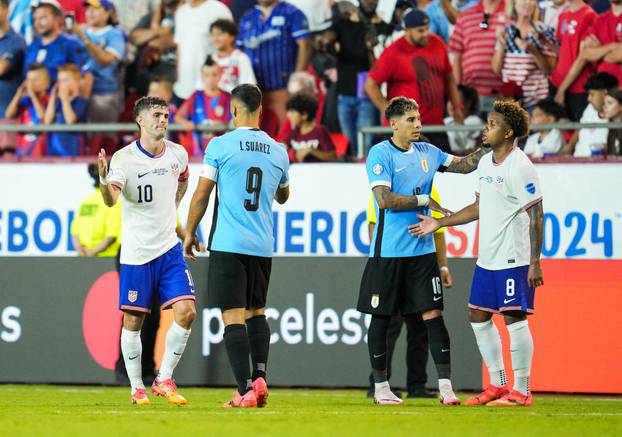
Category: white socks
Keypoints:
(176, 340)
(489, 343)
(132, 349)
(521, 348)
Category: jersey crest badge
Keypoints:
(377, 169)
(424, 165)
(531, 188)
(375, 300)
(132, 295)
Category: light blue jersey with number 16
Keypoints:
(248, 167)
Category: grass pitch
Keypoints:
(68, 411)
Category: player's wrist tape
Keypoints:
(444, 268)
(103, 180)
(423, 200)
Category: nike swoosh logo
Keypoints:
(508, 301)
(144, 174)
(397, 170)
(134, 357)
(437, 298)
(175, 353)
(378, 356)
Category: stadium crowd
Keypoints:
(326, 68)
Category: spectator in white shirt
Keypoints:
(546, 142)
(236, 65)
(192, 25)
(464, 142)
(588, 142)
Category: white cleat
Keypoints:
(384, 396)
(447, 396)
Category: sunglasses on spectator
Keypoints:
(484, 24)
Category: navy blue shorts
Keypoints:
(167, 276)
(502, 290)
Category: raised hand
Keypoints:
(102, 164)
(426, 226)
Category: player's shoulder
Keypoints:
(381, 148)
(520, 160)
(124, 154)
(176, 149)
(486, 160)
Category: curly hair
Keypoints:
(303, 103)
(514, 115)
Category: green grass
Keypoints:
(66, 411)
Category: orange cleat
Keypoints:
(513, 399)
(261, 392)
(490, 394)
(247, 401)
(168, 389)
(139, 397)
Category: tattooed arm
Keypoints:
(468, 163)
(182, 186)
(386, 199)
(536, 225)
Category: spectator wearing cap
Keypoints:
(12, 49)
(525, 53)
(105, 44)
(52, 47)
(275, 35)
(353, 37)
(192, 26)
(473, 45)
(417, 66)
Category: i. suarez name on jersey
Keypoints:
(149, 186)
(407, 173)
(248, 167)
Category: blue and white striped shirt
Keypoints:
(271, 44)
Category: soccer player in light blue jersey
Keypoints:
(402, 275)
(249, 169)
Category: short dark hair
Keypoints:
(227, 26)
(399, 106)
(514, 115)
(550, 107)
(601, 81)
(303, 103)
(470, 99)
(4, 3)
(37, 66)
(210, 62)
(249, 95)
(148, 102)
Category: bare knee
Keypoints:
(133, 320)
(254, 312)
(234, 316)
(185, 313)
(432, 314)
(479, 316)
(513, 316)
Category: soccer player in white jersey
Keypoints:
(509, 207)
(152, 174)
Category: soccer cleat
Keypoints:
(247, 401)
(385, 396)
(513, 399)
(490, 394)
(139, 397)
(449, 400)
(261, 392)
(168, 389)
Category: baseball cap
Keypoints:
(415, 18)
(106, 4)
(53, 3)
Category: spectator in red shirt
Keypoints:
(308, 141)
(603, 44)
(571, 72)
(473, 46)
(417, 66)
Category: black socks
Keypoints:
(377, 344)
(259, 339)
(238, 350)
(439, 346)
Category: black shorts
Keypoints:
(237, 281)
(394, 286)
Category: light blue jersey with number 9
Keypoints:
(248, 167)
